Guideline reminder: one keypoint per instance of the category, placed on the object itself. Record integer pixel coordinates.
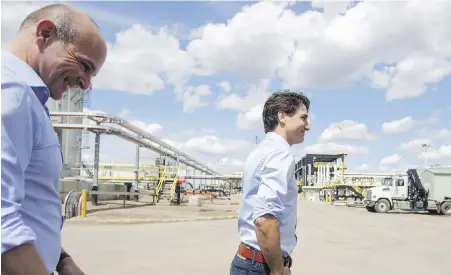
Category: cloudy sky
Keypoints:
(197, 74)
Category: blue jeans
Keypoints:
(242, 265)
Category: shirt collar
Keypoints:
(279, 138)
(27, 75)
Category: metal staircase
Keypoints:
(87, 170)
(168, 192)
(166, 185)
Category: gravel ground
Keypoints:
(331, 240)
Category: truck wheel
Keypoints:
(382, 206)
(370, 209)
(446, 208)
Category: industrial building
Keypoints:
(315, 169)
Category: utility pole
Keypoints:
(426, 146)
(256, 141)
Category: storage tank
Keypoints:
(71, 141)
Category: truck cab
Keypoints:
(380, 199)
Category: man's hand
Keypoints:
(68, 267)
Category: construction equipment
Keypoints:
(422, 189)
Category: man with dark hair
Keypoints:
(57, 48)
(267, 215)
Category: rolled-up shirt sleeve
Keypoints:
(273, 187)
(18, 134)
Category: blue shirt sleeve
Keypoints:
(273, 187)
(18, 134)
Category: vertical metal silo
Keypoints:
(72, 142)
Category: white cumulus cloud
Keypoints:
(398, 126)
(193, 97)
(416, 145)
(443, 153)
(408, 78)
(210, 144)
(346, 129)
(392, 160)
(225, 86)
(394, 45)
(152, 128)
(389, 43)
(249, 106)
(141, 61)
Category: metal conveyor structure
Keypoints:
(113, 125)
(141, 137)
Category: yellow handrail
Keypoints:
(162, 181)
(173, 187)
(359, 189)
(141, 178)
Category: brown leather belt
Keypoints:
(248, 253)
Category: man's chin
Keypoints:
(56, 95)
(300, 140)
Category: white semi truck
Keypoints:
(419, 190)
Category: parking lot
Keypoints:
(331, 240)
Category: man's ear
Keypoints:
(281, 116)
(45, 33)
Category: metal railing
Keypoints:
(76, 203)
(162, 182)
(173, 187)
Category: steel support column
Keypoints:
(137, 172)
(95, 185)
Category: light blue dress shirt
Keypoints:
(269, 187)
(31, 164)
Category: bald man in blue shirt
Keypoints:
(56, 48)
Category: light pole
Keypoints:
(426, 146)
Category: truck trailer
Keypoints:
(421, 189)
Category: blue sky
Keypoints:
(340, 62)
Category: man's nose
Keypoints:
(84, 82)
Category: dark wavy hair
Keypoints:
(284, 101)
